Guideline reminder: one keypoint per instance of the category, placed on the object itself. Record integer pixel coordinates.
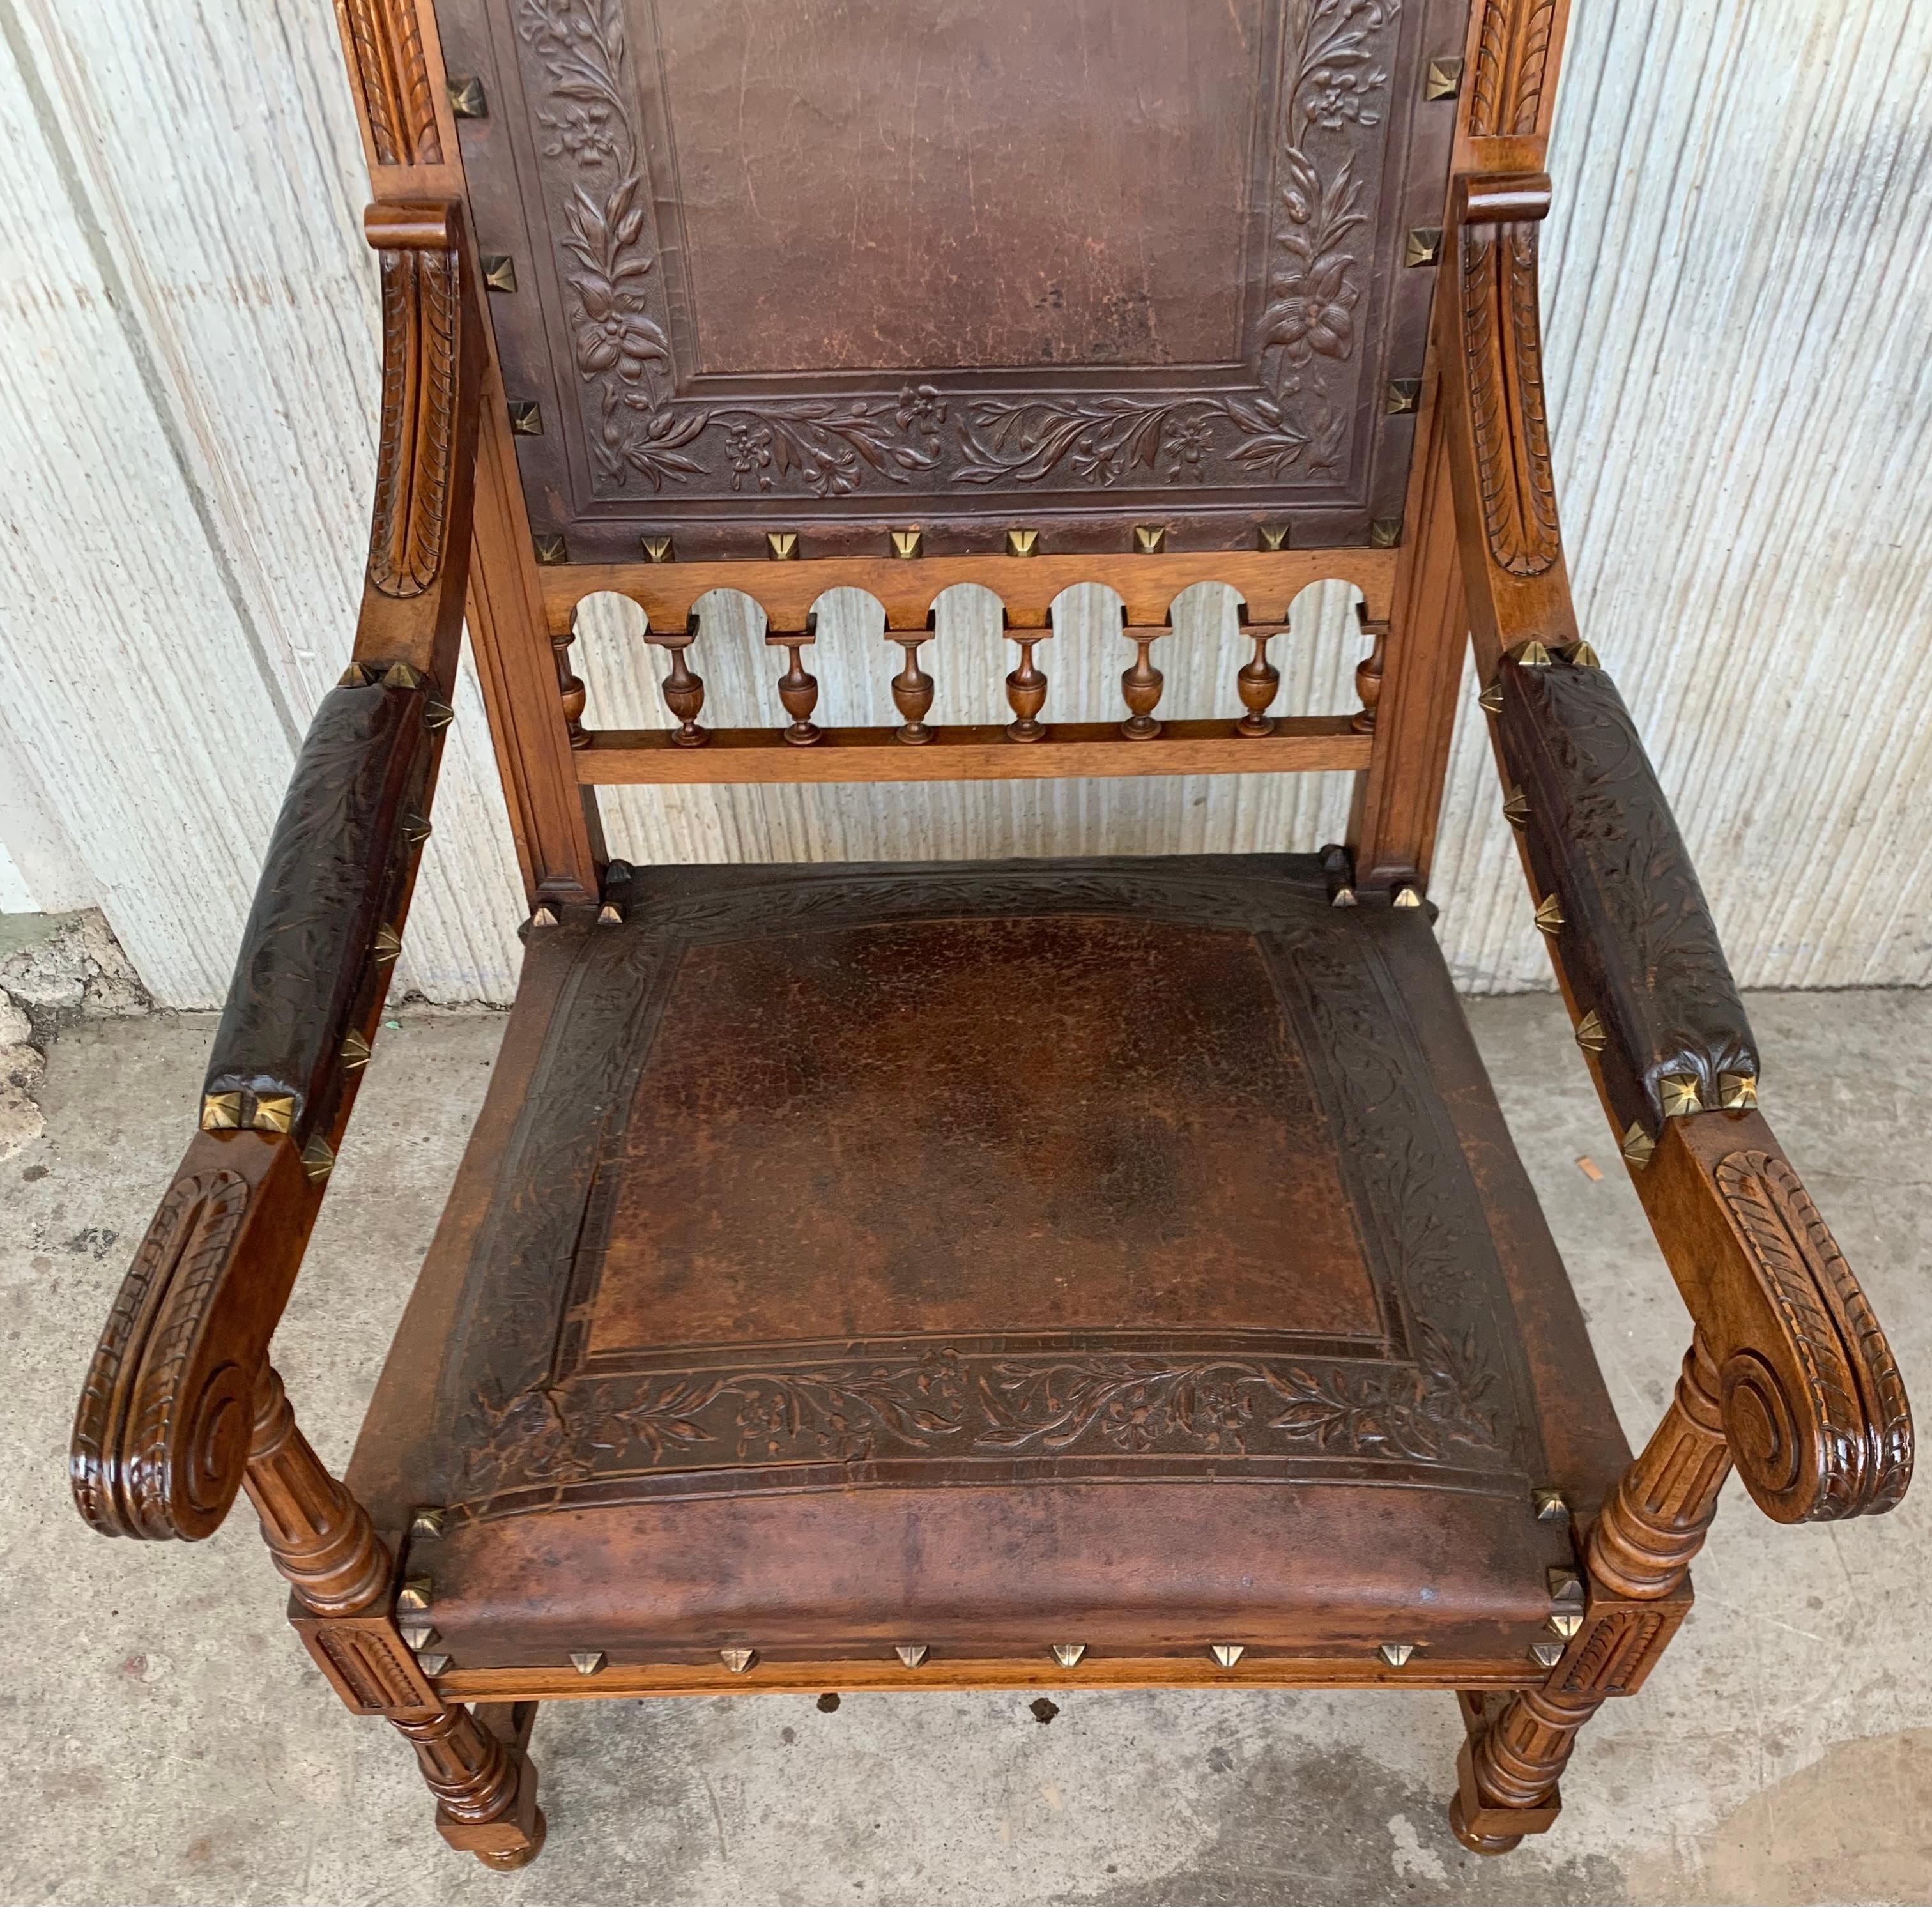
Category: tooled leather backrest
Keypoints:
(832, 266)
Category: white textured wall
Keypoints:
(1740, 302)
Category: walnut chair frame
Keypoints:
(1787, 1378)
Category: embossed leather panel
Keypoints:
(836, 266)
(887, 1205)
(334, 865)
(1638, 946)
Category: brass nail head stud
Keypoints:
(466, 98)
(500, 271)
(1150, 539)
(355, 1052)
(416, 1593)
(1401, 397)
(1566, 1622)
(1551, 1505)
(587, 1662)
(1022, 542)
(657, 549)
(1227, 1654)
(416, 829)
(1530, 655)
(432, 1664)
(908, 544)
(1582, 656)
(388, 946)
(550, 548)
(737, 1660)
(1271, 536)
(1638, 1145)
(781, 545)
(427, 1524)
(1679, 1091)
(543, 915)
(611, 914)
(417, 1634)
(1345, 897)
(1565, 1584)
(1516, 809)
(1549, 916)
(1385, 533)
(318, 1161)
(399, 675)
(1442, 80)
(1491, 699)
(437, 715)
(911, 1653)
(1408, 896)
(1737, 1092)
(525, 418)
(1396, 1653)
(1068, 1654)
(1547, 1655)
(1424, 245)
(274, 1112)
(354, 676)
(1590, 1033)
(220, 1112)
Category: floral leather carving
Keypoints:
(1637, 943)
(1240, 333)
(336, 870)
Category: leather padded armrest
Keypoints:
(1655, 998)
(321, 938)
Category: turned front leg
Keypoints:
(1639, 1553)
(327, 1549)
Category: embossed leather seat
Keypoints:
(1080, 1273)
(844, 1251)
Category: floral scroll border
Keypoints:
(1295, 423)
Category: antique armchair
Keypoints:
(1095, 1273)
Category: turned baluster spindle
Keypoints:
(798, 688)
(912, 689)
(1369, 674)
(1140, 686)
(683, 688)
(570, 690)
(1259, 681)
(1026, 688)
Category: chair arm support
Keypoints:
(1619, 896)
(1814, 1410)
(160, 1439)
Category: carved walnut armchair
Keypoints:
(1096, 1272)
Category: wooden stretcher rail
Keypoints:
(628, 757)
(938, 1674)
(1267, 581)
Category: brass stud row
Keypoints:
(551, 547)
(420, 1635)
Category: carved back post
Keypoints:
(409, 132)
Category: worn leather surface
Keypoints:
(832, 264)
(1638, 945)
(842, 1242)
(333, 868)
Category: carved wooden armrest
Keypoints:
(1814, 1411)
(160, 1440)
(1790, 1377)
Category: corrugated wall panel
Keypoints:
(1738, 295)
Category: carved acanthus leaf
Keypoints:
(1837, 1443)
(410, 528)
(384, 39)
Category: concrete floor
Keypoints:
(165, 1739)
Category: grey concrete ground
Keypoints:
(164, 1739)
